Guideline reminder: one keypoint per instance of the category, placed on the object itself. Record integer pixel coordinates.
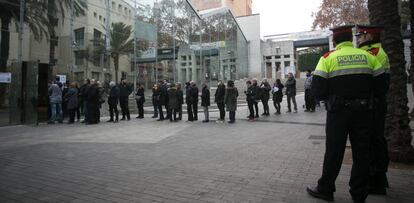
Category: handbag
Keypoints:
(138, 97)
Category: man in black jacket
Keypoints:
(219, 99)
(194, 99)
(264, 96)
(113, 102)
(125, 90)
(82, 94)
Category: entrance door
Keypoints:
(30, 92)
(269, 70)
(16, 94)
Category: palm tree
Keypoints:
(120, 41)
(397, 129)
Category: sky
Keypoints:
(285, 16)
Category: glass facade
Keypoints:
(143, 41)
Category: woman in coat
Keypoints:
(277, 91)
(71, 99)
(173, 102)
(205, 101)
(230, 99)
(140, 99)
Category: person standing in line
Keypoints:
(64, 102)
(291, 93)
(189, 102)
(194, 99)
(140, 99)
(346, 79)
(101, 100)
(113, 102)
(71, 98)
(78, 108)
(310, 101)
(277, 91)
(55, 100)
(92, 102)
(369, 39)
(82, 93)
(219, 99)
(164, 96)
(125, 90)
(180, 100)
(257, 93)
(230, 99)
(265, 96)
(250, 98)
(205, 102)
(155, 99)
(173, 102)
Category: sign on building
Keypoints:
(5, 77)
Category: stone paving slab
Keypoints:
(271, 160)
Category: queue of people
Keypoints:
(168, 100)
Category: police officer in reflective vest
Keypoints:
(368, 39)
(344, 78)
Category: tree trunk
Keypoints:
(53, 38)
(397, 129)
(411, 71)
(4, 54)
(116, 64)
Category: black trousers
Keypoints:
(256, 108)
(113, 108)
(180, 112)
(190, 112)
(123, 101)
(251, 110)
(310, 102)
(140, 106)
(379, 149)
(173, 114)
(265, 103)
(221, 106)
(160, 112)
(72, 115)
(232, 116)
(339, 124)
(277, 106)
(195, 110)
(168, 112)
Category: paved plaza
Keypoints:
(270, 160)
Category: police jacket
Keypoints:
(346, 73)
(376, 50)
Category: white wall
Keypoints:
(250, 25)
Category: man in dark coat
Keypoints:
(219, 99)
(71, 98)
(230, 99)
(265, 96)
(155, 100)
(140, 99)
(205, 102)
(194, 99)
(125, 91)
(82, 95)
(92, 103)
(113, 102)
(188, 101)
(173, 102)
(291, 93)
(256, 92)
(180, 101)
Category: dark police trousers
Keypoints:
(341, 122)
(113, 108)
(379, 150)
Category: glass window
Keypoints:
(95, 14)
(78, 58)
(80, 37)
(268, 57)
(286, 56)
(287, 63)
(277, 57)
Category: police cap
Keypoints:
(342, 29)
(368, 29)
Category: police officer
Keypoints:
(368, 39)
(345, 79)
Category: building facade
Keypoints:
(237, 7)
